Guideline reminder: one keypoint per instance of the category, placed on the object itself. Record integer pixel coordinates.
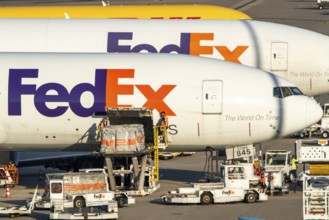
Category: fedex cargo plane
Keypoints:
(296, 54)
(128, 11)
(48, 100)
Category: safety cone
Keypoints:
(7, 192)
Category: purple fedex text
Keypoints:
(114, 46)
(17, 90)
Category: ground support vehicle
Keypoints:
(84, 195)
(13, 211)
(8, 176)
(316, 180)
(299, 134)
(234, 186)
(279, 160)
(277, 164)
(278, 184)
(168, 155)
(322, 3)
(322, 127)
(244, 155)
(43, 202)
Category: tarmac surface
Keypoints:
(180, 171)
(174, 173)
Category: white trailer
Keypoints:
(235, 186)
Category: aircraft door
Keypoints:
(212, 96)
(279, 56)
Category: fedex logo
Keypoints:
(190, 43)
(105, 91)
(99, 196)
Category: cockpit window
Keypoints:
(296, 91)
(277, 92)
(286, 91)
(281, 92)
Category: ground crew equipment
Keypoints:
(316, 183)
(234, 186)
(8, 176)
(278, 164)
(84, 195)
(19, 210)
(7, 192)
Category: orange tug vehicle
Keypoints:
(9, 175)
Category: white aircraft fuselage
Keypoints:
(296, 54)
(48, 99)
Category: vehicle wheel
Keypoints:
(302, 135)
(121, 201)
(79, 202)
(325, 134)
(12, 215)
(250, 197)
(320, 7)
(206, 198)
(166, 158)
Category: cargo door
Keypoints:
(212, 96)
(279, 56)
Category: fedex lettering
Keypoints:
(105, 91)
(99, 196)
(190, 43)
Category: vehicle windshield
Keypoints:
(275, 159)
(236, 173)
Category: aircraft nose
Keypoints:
(314, 112)
(299, 113)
